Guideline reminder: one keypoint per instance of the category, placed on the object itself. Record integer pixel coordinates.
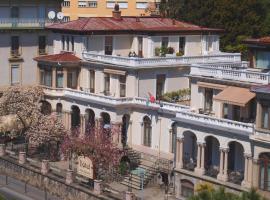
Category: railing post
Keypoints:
(22, 157)
(129, 195)
(97, 187)
(69, 176)
(44, 167)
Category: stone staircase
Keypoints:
(134, 180)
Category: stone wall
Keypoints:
(53, 184)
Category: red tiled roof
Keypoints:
(62, 57)
(259, 41)
(145, 24)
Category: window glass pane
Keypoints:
(15, 74)
(164, 42)
(265, 117)
(106, 84)
(59, 78)
(263, 60)
(208, 99)
(141, 5)
(123, 5)
(160, 87)
(108, 45)
(110, 4)
(14, 12)
(48, 78)
(182, 44)
(122, 80)
(42, 44)
(82, 3)
(92, 81)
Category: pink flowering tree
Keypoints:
(97, 145)
(23, 104)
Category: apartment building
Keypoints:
(74, 9)
(23, 37)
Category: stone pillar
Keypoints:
(82, 125)
(129, 135)
(44, 167)
(54, 77)
(181, 151)
(22, 157)
(203, 159)
(69, 176)
(2, 150)
(255, 173)
(247, 173)
(221, 159)
(225, 171)
(129, 195)
(97, 187)
(198, 167)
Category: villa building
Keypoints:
(22, 37)
(75, 9)
(115, 71)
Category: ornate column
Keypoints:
(202, 158)
(198, 167)
(181, 150)
(221, 159)
(82, 125)
(225, 171)
(247, 173)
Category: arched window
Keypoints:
(147, 131)
(75, 117)
(264, 161)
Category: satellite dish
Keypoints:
(51, 15)
(60, 15)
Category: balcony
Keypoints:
(217, 123)
(230, 74)
(10, 23)
(155, 61)
(112, 101)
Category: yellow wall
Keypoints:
(74, 12)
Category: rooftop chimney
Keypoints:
(116, 13)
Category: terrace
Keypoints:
(20, 23)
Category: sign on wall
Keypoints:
(85, 167)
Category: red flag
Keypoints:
(152, 99)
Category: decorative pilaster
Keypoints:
(223, 165)
(203, 159)
(248, 172)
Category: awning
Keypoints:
(235, 96)
(114, 71)
(211, 85)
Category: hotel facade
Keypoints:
(116, 70)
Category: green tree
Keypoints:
(240, 19)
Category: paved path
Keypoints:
(15, 190)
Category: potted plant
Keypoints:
(170, 51)
(180, 53)
(157, 51)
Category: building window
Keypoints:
(160, 85)
(15, 45)
(209, 43)
(225, 111)
(14, 12)
(122, 5)
(72, 43)
(108, 45)
(147, 131)
(208, 99)
(82, 4)
(92, 4)
(72, 79)
(164, 42)
(264, 174)
(236, 113)
(141, 5)
(67, 43)
(42, 44)
(92, 81)
(265, 117)
(59, 110)
(182, 44)
(66, 19)
(15, 74)
(59, 78)
(63, 43)
(66, 3)
(46, 77)
(122, 80)
(106, 84)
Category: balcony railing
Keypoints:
(146, 62)
(230, 74)
(213, 122)
(23, 23)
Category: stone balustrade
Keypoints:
(230, 74)
(214, 122)
(157, 61)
